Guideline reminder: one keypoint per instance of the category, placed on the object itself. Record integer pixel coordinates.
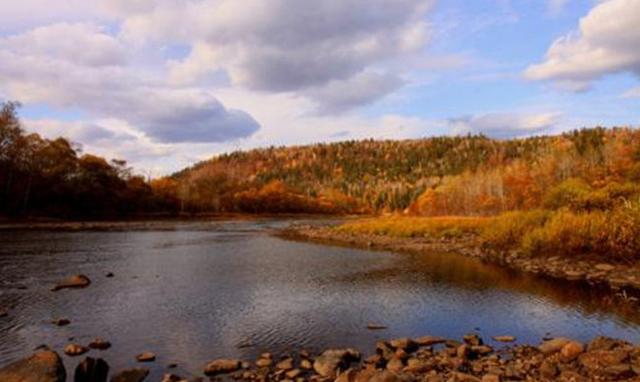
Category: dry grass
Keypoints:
(411, 226)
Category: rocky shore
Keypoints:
(426, 359)
(624, 278)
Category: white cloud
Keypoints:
(505, 125)
(607, 41)
(285, 45)
(82, 66)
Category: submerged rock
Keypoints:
(75, 281)
(504, 338)
(100, 344)
(91, 370)
(131, 375)
(61, 321)
(43, 366)
(146, 356)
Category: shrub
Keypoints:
(566, 193)
(506, 231)
(565, 233)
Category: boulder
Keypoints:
(131, 375)
(571, 351)
(91, 370)
(43, 366)
(553, 345)
(75, 281)
(331, 361)
(221, 366)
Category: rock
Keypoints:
(553, 345)
(43, 366)
(330, 361)
(75, 350)
(384, 376)
(61, 322)
(429, 340)
(375, 327)
(604, 267)
(473, 339)
(285, 364)
(416, 365)
(404, 343)
(76, 281)
(109, 274)
(293, 373)
(603, 343)
(490, 378)
(463, 377)
(395, 365)
(595, 360)
(548, 369)
(146, 356)
(347, 376)
(504, 338)
(571, 351)
(91, 370)
(172, 378)
(100, 344)
(131, 375)
(264, 362)
(306, 364)
(221, 366)
(3, 313)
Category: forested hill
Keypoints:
(443, 175)
(472, 175)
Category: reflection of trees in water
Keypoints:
(472, 274)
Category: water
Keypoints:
(199, 291)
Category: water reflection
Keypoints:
(196, 292)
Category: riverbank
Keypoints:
(622, 277)
(427, 358)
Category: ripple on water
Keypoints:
(194, 292)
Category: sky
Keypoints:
(166, 83)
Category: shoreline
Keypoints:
(622, 278)
(427, 358)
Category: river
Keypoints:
(193, 292)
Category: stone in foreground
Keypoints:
(75, 281)
(91, 370)
(333, 360)
(221, 366)
(131, 375)
(43, 366)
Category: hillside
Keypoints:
(471, 175)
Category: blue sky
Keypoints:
(166, 83)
